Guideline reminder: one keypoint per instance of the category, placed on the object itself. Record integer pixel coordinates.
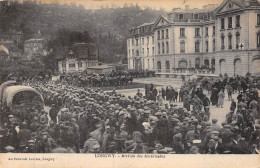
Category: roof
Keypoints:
(79, 50)
(35, 40)
(3, 53)
(101, 67)
(11, 47)
(145, 24)
(4, 85)
(11, 91)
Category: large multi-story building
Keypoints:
(216, 39)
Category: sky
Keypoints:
(154, 4)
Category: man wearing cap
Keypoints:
(47, 144)
(214, 125)
(186, 101)
(53, 113)
(226, 136)
(178, 146)
(24, 134)
(254, 106)
(44, 118)
(89, 144)
(139, 94)
(229, 117)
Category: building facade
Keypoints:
(216, 39)
(78, 58)
(9, 52)
(33, 48)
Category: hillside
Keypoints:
(108, 27)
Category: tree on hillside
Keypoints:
(64, 39)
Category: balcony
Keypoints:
(167, 70)
(159, 70)
(180, 20)
(194, 20)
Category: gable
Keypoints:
(229, 5)
(4, 49)
(161, 21)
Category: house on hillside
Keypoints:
(77, 58)
(34, 48)
(9, 52)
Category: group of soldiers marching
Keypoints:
(87, 120)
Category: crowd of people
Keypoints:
(88, 120)
(96, 80)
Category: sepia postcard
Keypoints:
(130, 83)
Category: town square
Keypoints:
(130, 79)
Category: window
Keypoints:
(153, 50)
(238, 21)
(197, 31)
(147, 40)
(136, 42)
(133, 42)
(258, 39)
(197, 46)
(167, 47)
(63, 64)
(137, 52)
(153, 39)
(142, 41)
(222, 23)
(133, 52)
(230, 5)
(129, 53)
(158, 34)
(229, 41)
(207, 46)
(206, 31)
(162, 34)
(182, 47)
(148, 64)
(167, 33)
(196, 16)
(258, 19)
(80, 64)
(214, 30)
(159, 48)
(222, 42)
(162, 47)
(180, 16)
(237, 40)
(214, 45)
(142, 51)
(167, 66)
(72, 65)
(182, 32)
(229, 22)
(147, 51)
(159, 67)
